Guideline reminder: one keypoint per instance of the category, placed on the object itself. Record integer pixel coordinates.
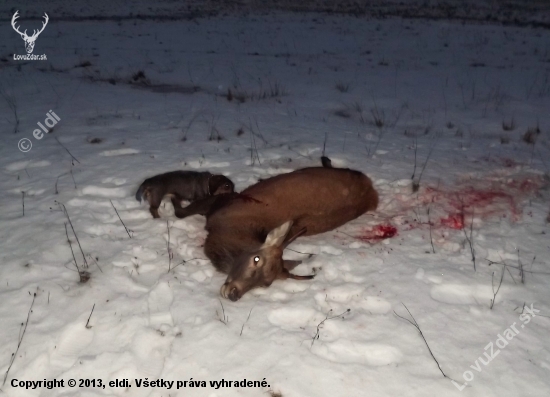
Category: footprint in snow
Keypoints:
(206, 164)
(159, 302)
(109, 192)
(114, 181)
(39, 368)
(150, 348)
(347, 352)
(295, 318)
(342, 293)
(119, 152)
(350, 296)
(29, 192)
(91, 204)
(462, 294)
(202, 275)
(72, 342)
(110, 230)
(21, 165)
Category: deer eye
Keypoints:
(256, 259)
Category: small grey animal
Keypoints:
(182, 185)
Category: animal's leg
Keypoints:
(200, 207)
(154, 203)
(176, 202)
(286, 274)
(289, 265)
(154, 211)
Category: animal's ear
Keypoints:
(277, 236)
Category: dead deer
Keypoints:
(181, 185)
(248, 231)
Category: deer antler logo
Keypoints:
(29, 40)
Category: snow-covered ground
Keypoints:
(453, 103)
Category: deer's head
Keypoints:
(29, 40)
(260, 268)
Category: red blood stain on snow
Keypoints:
(471, 201)
(492, 196)
(453, 207)
(379, 232)
(454, 221)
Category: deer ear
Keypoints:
(277, 236)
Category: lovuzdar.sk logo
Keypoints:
(30, 41)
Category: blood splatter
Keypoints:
(248, 199)
(379, 232)
(444, 208)
(492, 201)
(454, 221)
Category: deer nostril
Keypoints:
(234, 294)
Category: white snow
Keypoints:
(439, 90)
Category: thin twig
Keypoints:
(415, 152)
(77, 240)
(87, 322)
(70, 154)
(493, 287)
(23, 201)
(20, 340)
(520, 266)
(416, 184)
(316, 336)
(72, 177)
(259, 134)
(224, 319)
(242, 328)
(415, 324)
(430, 226)
(95, 261)
(254, 150)
(469, 238)
(183, 262)
(71, 247)
(515, 267)
(125, 228)
(170, 255)
(56, 181)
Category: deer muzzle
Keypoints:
(231, 292)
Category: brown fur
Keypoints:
(315, 200)
(181, 185)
